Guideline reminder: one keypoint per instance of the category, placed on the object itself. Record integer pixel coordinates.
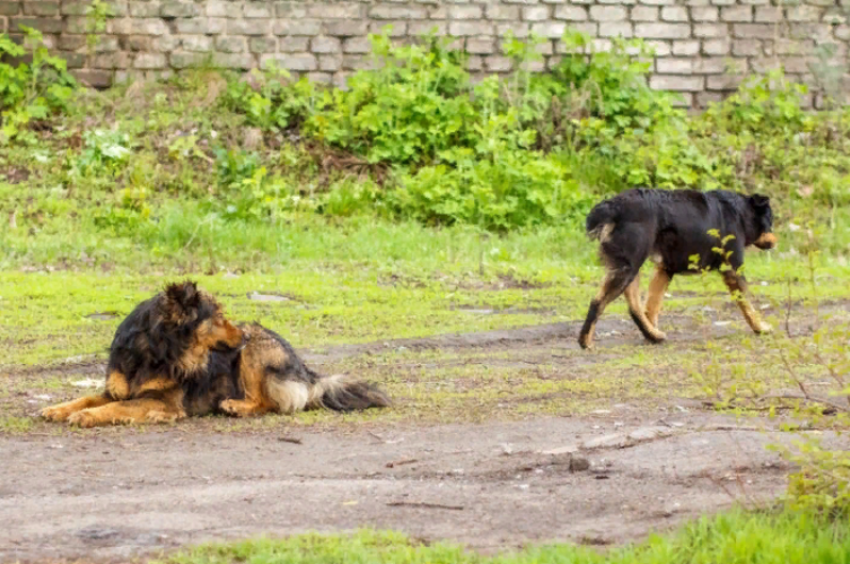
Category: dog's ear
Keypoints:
(183, 297)
(759, 202)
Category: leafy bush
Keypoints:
(518, 189)
(415, 106)
(105, 151)
(30, 91)
(269, 101)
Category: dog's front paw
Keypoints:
(657, 336)
(84, 419)
(56, 413)
(585, 342)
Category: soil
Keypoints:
(607, 477)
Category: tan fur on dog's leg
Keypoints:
(638, 316)
(132, 411)
(657, 288)
(63, 411)
(738, 288)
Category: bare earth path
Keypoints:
(491, 485)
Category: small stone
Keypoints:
(614, 440)
(579, 464)
(266, 297)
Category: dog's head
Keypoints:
(198, 318)
(762, 215)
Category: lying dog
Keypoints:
(672, 228)
(177, 356)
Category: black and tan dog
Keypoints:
(176, 355)
(673, 228)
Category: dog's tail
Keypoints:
(602, 214)
(337, 392)
(342, 394)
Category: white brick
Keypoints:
(616, 29)
(337, 10)
(550, 30)
(297, 27)
(150, 61)
(687, 47)
(705, 14)
(663, 30)
(710, 65)
(389, 12)
(296, 62)
(480, 46)
(535, 13)
(674, 65)
(710, 30)
(661, 48)
(804, 14)
(608, 13)
(571, 13)
(502, 12)
(716, 47)
(517, 29)
(356, 45)
(644, 14)
(463, 29)
(724, 82)
(677, 83)
(465, 12)
(736, 13)
(753, 31)
(674, 14)
(325, 45)
(746, 47)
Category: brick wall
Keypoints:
(704, 47)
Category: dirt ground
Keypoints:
(605, 477)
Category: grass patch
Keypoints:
(733, 538)
(48, 317)
(11, 424)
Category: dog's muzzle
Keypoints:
(222, 347)
(766, 241)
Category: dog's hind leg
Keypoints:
(657, 288)
(616, 281)
(638, 316)
(253, 378)
(63, 411)
(738, 287)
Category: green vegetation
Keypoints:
(210, 171)
(30, 90)
(735, 538)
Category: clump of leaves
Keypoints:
(30, 91)
(270, 100)
(415, 105)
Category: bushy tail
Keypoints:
(341, 394)
(602, 214)
(329, 392)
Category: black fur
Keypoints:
(672, 227)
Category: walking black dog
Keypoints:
(675, 229)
